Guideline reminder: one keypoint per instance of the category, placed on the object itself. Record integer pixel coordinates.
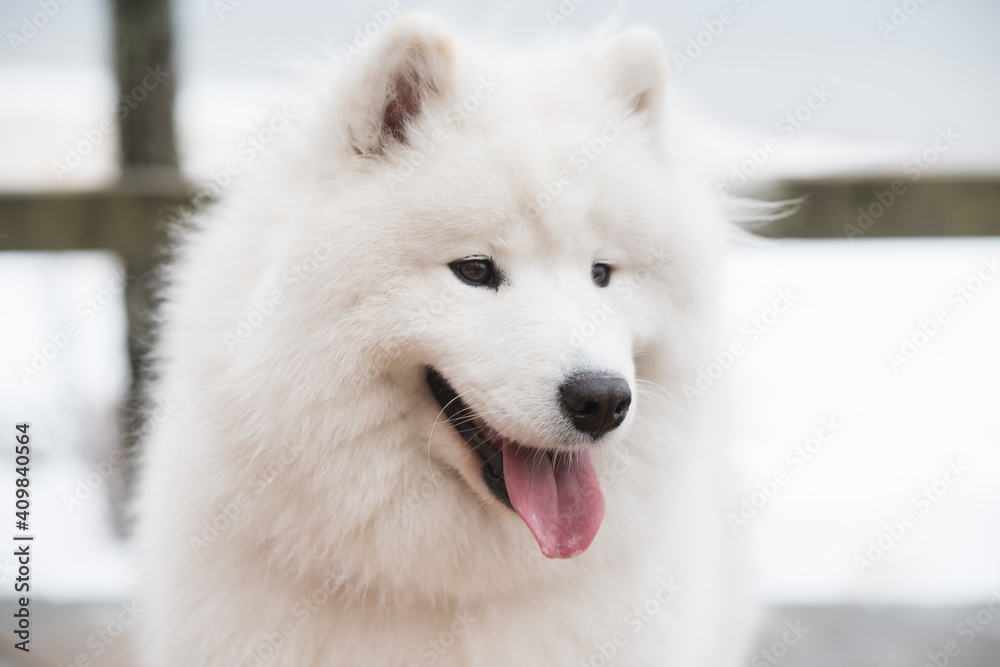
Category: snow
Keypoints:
(71, 404)
(823, 358)
(827, 357)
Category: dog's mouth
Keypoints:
(556, 494)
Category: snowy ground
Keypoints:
(68, 393)
(894, 431)
(902, 424)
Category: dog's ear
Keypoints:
(410, 65)
(634, 66)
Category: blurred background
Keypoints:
(868, 420)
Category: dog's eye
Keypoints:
(601, 273)
(475, 271)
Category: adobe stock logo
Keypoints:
(926, 329)
(787, 126)
(582, 157)
(31, 25)
(363, 35)
(795, 460)
(752, 331)
(700, 42)
(900, 16)
(61, 338)
(793, 633)
(968, 630)
(432, 651)
(93, 137)
(565, 10)
(914, 167)
(894, 530)
(605, 652)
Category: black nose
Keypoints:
(595, 402)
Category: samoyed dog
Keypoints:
(428, 366)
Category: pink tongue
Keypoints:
(563, 505)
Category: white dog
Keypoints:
(424, 365)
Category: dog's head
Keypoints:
(528, 261)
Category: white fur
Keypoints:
(315, 443)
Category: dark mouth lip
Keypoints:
(477, 435)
